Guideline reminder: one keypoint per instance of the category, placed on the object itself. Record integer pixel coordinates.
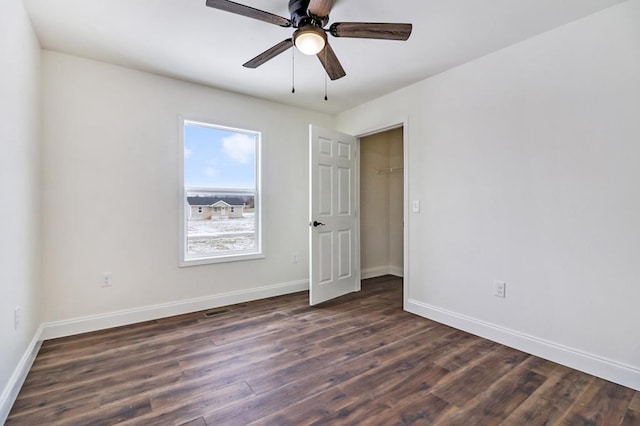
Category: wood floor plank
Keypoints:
(351, 366)
(195, 422)
(635, 402)
(307, 411)
(463, 387)
(40, 415)
(308, 385)
(109, 415)
(90, 344)
(426, 410)
(397, 362)
(359, 359)
(175, 406)
(631, 418)
(399, 397)
(361, 411)
(464, 352)
(500, 399)
(395, 366)
(544, 367)
(416, 385)
(101, 366)
(554, 398)
(261, 347)
(328, 357)
(603, 403)
(111, 389)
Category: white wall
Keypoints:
(19, 192)
(526, 163)
(110, 179)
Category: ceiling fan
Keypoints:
(309, 17)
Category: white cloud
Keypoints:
(210, 171)
(239, 147)
(187, 153)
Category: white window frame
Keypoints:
(183, 206)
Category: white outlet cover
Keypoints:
(106, 279)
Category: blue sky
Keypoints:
(218, 158)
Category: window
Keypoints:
(220, 194)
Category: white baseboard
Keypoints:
(379, 271)
(86, 324)
(397, 271)
(12, 388)
(607, 369)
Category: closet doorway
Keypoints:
(382, 203)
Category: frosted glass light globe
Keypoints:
(310, 40)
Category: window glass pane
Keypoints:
(218, 158)
(220, 192)
(230, 227)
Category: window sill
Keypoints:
(220, 259)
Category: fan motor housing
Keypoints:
(300, 16)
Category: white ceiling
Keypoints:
(187, 40)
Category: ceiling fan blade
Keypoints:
(248, 11)
(331, 63)
(269, 54)
(321, 8)
(381, 31)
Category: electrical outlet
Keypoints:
(500, 289)
(16, 317)
(106, 279)
(295, 258)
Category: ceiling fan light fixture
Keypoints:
(310, 40)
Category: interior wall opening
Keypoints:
(381, 203)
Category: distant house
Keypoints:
(205, 208)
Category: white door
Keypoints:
(335, 242)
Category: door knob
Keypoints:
(316, 223)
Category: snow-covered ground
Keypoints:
(221, 234)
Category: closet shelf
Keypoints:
(389, 170)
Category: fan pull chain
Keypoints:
(293, 68)
(326, 98)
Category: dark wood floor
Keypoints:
(357, 360)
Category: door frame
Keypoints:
(372, 130)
